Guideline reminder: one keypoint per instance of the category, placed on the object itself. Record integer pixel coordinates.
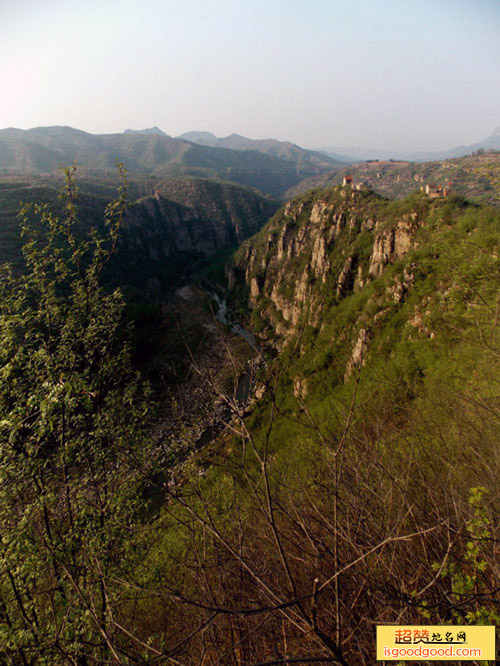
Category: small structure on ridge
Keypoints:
(434, 192)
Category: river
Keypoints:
(222, 316)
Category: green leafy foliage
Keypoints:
(468, 576)
(72, 420)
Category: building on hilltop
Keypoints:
(436, 192)
(349, 182)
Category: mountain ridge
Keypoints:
(475, 177)
(491, 142)
(166, 219)
(150, 130)
(42, 150)
(285, 149)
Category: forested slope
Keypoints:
(43, 150)
(358, 485)
(474, 176)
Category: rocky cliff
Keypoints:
(342, 270)
(157, 227)
(320, 248)
(381, 404)
(178, 220)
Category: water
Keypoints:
(222, 316)
(245, 384)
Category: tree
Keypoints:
(72, 421)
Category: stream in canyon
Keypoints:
(223, 316)
(246, 383)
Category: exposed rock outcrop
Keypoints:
(250, 257)
(318, 247)
(320, 263)
(392, 244)
(254, 290)
(344, 277)
(358, 353)
(284, 239)
(319, 211)
(402, 287)
(302, 293)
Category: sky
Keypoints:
(385, 74)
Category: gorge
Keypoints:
(262, 420)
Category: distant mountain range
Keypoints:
(270, 166)
(283, 149)
(350, 153)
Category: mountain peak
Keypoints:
(200, 137)
(150, 130)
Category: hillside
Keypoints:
(380, 417)
(277, 500)
(287, 151)
(187, 220)
(44, 149)
(475, 177)
(187, 217)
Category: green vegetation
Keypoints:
(161, 239)
(415, 422)
(72, 431)
(473, 176)
(42, 150)
(360, 488)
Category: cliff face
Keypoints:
(384, 317)
(178, 215)
(392, 244)
(158, 231)
(240, 210)
(346, 279)
(321, 248)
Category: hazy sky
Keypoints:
(398, 74)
